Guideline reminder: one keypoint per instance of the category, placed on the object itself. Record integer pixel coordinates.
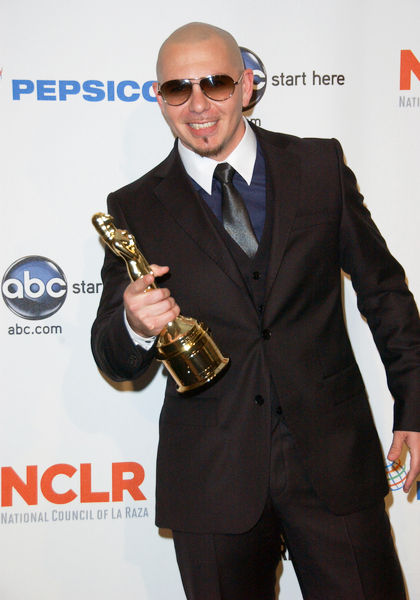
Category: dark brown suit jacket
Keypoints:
(213, 458)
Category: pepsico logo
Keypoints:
(34, 287)
(396, 475)
(252, 61)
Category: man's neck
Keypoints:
(242, 159)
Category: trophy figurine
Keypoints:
(184, 345)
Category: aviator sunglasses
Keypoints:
(216, 87)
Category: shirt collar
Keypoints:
(242, 159)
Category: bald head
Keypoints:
(191, 54)
(196, 33)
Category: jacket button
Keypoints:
(261, 308)
(259, 400)
(279, 410)
(256, 275)
(266, 334)
(132, 360)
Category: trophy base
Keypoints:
(192, 358)
(206, 378)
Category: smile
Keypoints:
(202, 125)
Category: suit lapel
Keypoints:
(178, 197)
(283, 184)
(182, 202)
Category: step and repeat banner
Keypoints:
(78, 120)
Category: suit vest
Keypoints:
(253, 270)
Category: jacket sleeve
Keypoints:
(383, 298)
(113, 349)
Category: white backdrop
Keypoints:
(59, 159)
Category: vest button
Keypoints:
(266, 334)
(259, 400)
(256, 275)
(132, 360)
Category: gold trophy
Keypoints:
(184, 345)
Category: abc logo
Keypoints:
(34, 287)
(251, 61)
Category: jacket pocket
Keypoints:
(344, 385)
(305, 221)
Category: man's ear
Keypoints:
(247, 86)
(155, 87)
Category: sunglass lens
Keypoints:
(218, 87)
(176, 91)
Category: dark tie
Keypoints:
(235, 215)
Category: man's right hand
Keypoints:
(149, 312)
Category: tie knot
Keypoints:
(224, 173)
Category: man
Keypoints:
(283, 442)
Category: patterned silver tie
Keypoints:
(236, 219)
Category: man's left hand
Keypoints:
(412, 440)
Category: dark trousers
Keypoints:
(349, 557)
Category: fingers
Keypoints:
(148, 313)
(158, 271)
(412, 440)
(411, 477)
(396, 446)
(142, 283)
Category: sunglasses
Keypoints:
(216, 87)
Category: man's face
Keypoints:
(208, 127)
